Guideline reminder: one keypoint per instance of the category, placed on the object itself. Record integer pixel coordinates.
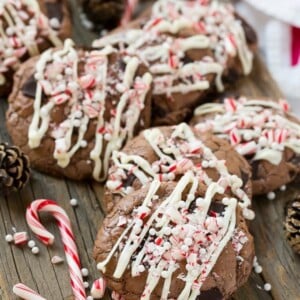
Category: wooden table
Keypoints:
(281, 267)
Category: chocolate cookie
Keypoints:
(167, 153)
(189, 46)
(104, 13)
(27, 29)
(184, 240)
(261, 130)
(71, 108)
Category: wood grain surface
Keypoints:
(281, 267)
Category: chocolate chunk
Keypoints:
(245, 178)
(250, 34)
(29, 88)
(54, 10)
(217, 207)
(212, 294)
(129, 180)
(255, 165)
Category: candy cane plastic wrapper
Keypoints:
(67, 237)
(24, 292)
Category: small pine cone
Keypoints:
(14, 167)
(292, 224)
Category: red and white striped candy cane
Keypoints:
(130, 7)
(67, 237)
(24, 292)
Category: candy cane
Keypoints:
(67, 236)
(130, 6)
(24, 292)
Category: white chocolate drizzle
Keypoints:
(213, 25)
(174, 234)
(22, 25)
(85, 93)
(175, 156)
(259, 128)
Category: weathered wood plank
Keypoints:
(280, 266)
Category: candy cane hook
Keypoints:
(67, 237)
(26, 293)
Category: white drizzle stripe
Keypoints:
(253, 126)
(21, 25)
(156, 247)
(85, 94)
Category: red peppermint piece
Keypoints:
(90, 111)
(285, 105)
(158, 241)
(172, 60)
(281, 135)
(200, 27)
(234, 136)
(155, 22)
(232, 40)
(60, 99)
(20, 238)
(15, 42)
(87, 81)
(102, 130)
(230, 104)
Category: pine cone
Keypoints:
(292, 224)
(14, 167)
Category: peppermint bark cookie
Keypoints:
(261, 130)
(189, 46)
(184, 240)
(167, 153)
(71, 108)
(28, 27)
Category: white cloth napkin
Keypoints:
(272, 20)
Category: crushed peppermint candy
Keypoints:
(259, 129)
(57, 260)
(213, 25)
(20, 238)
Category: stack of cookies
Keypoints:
(132, 111)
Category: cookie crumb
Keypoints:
(56, 260)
